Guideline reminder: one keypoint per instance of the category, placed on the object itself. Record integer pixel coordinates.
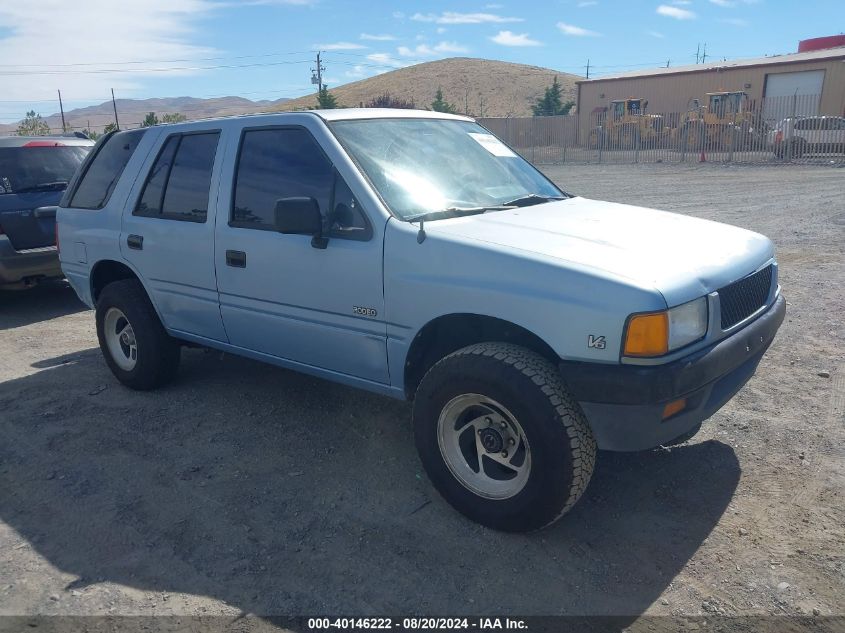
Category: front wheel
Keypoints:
(500, 437)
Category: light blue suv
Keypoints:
(415, 255)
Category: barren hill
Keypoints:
(503, 88)
(132, 111)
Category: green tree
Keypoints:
(91, 134)
(33, 125)
(551, 103)
(173, 117)
(440, 104)
(150, 120)
(111, 127)
(326, 100)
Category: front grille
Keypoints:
(743, 298)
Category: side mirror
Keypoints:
(300, 216)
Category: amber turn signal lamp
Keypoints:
(647, 335)
(676, 406)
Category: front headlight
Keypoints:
(658, 333)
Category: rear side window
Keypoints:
(810, 124)
(104, 170)
(178, 183)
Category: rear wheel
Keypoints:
(500, 437)
(134, 343)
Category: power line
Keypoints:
(153, 61)
(103, 71)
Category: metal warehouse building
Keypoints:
(810, 82)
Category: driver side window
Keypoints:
(277, 163)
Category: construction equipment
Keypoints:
(725, 123)
(625, 125)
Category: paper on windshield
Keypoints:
(492, 144)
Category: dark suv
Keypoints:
(34, 172)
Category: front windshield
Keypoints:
(424, 166)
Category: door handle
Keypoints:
(45, 212)
(135, 242)
(236, 259)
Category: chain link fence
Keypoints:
(726, 129)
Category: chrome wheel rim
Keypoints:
(120, 339)
(484, 446)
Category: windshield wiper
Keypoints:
(531, 199)
(56, 185)
(455, 212)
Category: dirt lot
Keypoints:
(243, 488)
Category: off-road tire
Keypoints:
(563, 449)
(158, 353)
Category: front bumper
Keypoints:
(624, 403)
(22, 267)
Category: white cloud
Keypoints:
(450, 47)
(656, 34)
(506, 38)
(441, 29)
(451, 17)
(377, 38)
(358, 72)
(494, 6)
(586, 3)
(577, 31)
(728, 4)
(424, 50)
(339, 46)
(675, 12)
(153, 31)
(385, 59)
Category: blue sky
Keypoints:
(263, 49)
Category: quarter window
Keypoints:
(104, 170)
(178, 183)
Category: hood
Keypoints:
(680, 256)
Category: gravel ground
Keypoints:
(243, 488)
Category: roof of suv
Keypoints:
(337, 114)
(812, 118)
(43, 141)
(343, 114)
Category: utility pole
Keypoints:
(697, 52)
(704, 53)
(481, 105)
(588, 69)
(667, 62)
(114, 105)
(317, 75)
(62, 110)
(466, 101)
